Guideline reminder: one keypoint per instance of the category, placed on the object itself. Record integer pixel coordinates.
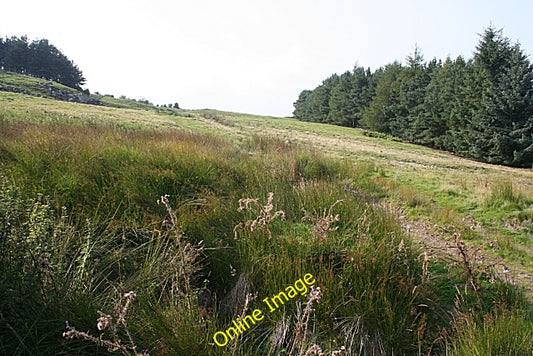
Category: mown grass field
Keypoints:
(415, 251)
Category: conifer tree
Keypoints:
(481, 108)
(16, 54)
(319, 101)
(342, 106)
(502, 127)
(302, 106)
(459, 106)
(437, 105)
(427, 126)
(380, 111)
(350, 97)
(40, 59)
(410, 87)
(363, 93)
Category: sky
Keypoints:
(251, 56)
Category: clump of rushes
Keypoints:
(106, 322)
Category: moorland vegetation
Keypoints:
(133, 229)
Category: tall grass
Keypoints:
(80, 227)
(504, 334)
(504, 195)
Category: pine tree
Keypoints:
(380, 111)
(342, 106)
(428, 126)
(3, 50)
(350, 97)
(481, 108)
(363, 93)
(456, 104)
(502, 126)
(302, 109)
(510, 108)
(16, 54)
(319, 101)
(410, 88)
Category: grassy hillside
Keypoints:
(415, 251)
(432, 185)
(30, 85)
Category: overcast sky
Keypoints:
(246, 55)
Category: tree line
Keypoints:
(480, 108)
(40, 59)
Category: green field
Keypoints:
(415, 251)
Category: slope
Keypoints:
(255, 204)
(436, 187)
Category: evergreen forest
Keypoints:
(481, 108)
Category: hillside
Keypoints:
(414, 249)
(438, 179)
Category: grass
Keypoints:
(31, 85)
(81, 227)
(505, 334)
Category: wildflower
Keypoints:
(264, 218)
(103, 321)
(323, 223)
(163, 200)
(315, 294)
(167, 224)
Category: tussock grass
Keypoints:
(504, 334)
(80, 227)
(504, 195)
(507, 201)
